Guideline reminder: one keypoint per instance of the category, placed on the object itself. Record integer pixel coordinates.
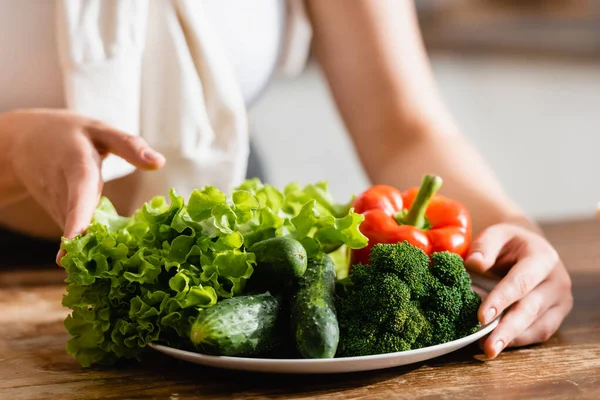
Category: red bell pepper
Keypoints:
(420, 216)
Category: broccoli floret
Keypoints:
(408, 262)
(404, 300)
(443, 328)
(414, 322)
(361, 338)
(425, 338)
(360, 273)
(391, 343)
(381, 295)
(449, 269)
(384, 291)
(446, 300)
(467, 322)
(408, 319)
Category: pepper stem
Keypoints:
(416, 215)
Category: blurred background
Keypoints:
(522, 78)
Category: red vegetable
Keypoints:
(420, 216)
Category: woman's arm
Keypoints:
(378, 71)
(380, 77)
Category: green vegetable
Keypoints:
(313, 314)
(341, 259)
(240, 326)
(405, 300)
(142, 279)
(279, 262)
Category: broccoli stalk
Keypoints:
(405, 300)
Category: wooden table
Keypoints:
(564, 29)
(34, 365)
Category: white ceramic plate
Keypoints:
(332, 365)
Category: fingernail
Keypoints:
(498, 346)
(489, 315)
(475, 257)
(152, 156)
(59, 255)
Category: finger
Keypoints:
(528, 273)
(84, 188)
(485, 249)
(83, 195)
(131, 148)
(61, 253)
(542, 329)
(520, 317)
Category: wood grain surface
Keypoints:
(34, 365)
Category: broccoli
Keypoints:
(467, 322)
(410, 265)
(449, 269)
(405, 300)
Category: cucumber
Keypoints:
(314, 321)
(279, 261)
(240, 326)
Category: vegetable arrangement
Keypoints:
(253, 275)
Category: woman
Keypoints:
(376, 67)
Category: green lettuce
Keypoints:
(141, 279)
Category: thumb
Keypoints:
(84, 188)
(486, 248)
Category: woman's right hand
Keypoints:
(56, 157)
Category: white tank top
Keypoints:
(30, 74)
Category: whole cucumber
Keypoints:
(240, 326)
(279, 261)
(314, 321)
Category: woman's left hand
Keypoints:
(534, 292)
